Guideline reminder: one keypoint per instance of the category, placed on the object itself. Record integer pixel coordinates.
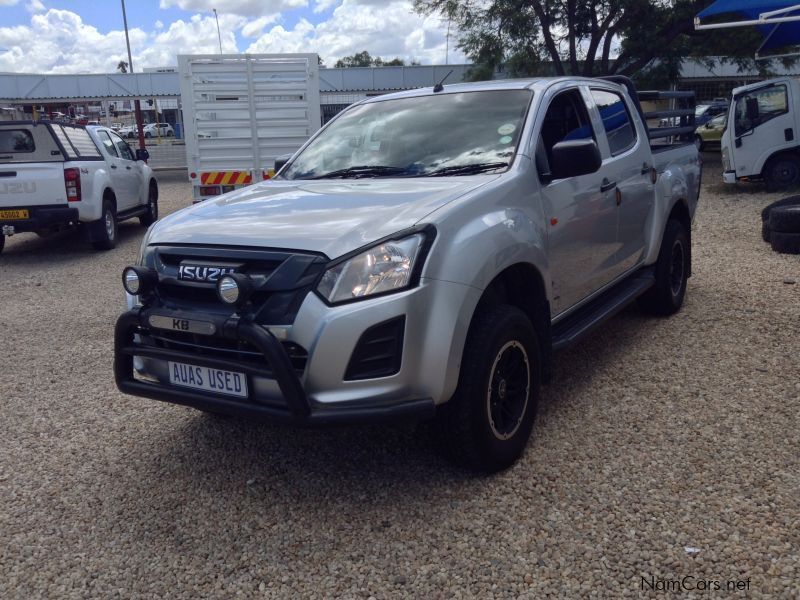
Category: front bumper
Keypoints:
(294, 406)
(40, 218)
(729, 177)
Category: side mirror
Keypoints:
(280, 161)
(574, 158)
(142, 154)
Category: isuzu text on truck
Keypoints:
(422, 256)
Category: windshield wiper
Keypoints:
(466, 169)
(363, 171)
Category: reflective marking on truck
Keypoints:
(226, 178)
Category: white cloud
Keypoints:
(8, 2)
(323, 5)
(58, 41)
(386, 29)
(253, 29)
(35, 6)
(159, 24)
(247, 8)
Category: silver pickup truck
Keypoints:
(422, 256)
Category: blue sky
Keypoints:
(86, 36)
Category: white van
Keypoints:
(761, 140)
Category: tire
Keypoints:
(148, 135)
(790, 201)
(104, 230)
(486, 424)
(699, 144)
(785, 243)
(782, 172)
(785, 219)
(151, 216)
(765, 231)
(672, 272)
(2, 242)
(170, 134)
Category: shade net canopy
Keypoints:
(776, 35)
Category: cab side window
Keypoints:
(123, 148)
(616, 121)
(107, 143)
(566, 119)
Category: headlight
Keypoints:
(387, 267)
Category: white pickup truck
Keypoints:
(54, 176)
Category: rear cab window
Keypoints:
(16, 141)
(617, 122)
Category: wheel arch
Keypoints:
(522, 285)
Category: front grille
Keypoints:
(379, 351)
(289, 275)
(214, 347)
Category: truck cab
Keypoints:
(760, 142)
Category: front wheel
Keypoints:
(782, 172)
(105, 229)
(2, 242)
(487, 423)
(147, 135)
(671, 270)
(151, 216)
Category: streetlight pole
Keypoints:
(219, 35)
(137, 106)
(447, 47)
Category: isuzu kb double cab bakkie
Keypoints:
(422, 256)
(55, 175)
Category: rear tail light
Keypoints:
(209, 190)
(72, 181)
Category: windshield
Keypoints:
(441, 134)
(700, 109)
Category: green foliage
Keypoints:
(584, 37)
(364, 59)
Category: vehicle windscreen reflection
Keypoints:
(443, 134)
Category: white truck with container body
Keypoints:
(762, 141)
(54, 176)
(243, 111)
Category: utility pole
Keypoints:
(447, 46)
(137, 106)
(219, 35)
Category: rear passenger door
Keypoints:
(132, 170)
(581, 218)
(626, 170)
(118, 175)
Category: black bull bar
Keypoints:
(277, 366)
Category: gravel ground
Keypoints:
(656, 435)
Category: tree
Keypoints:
(122, 67)
(364, 59)
(584, 37)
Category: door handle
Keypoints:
(788, 134)
(113, 166)
(607, 185)
(645, 169)
(128, 168)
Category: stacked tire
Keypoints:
(780, 225)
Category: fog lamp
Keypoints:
(234, 289)
(139, 280)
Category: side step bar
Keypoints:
(132, 212)
(599, 310)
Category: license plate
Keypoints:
(178, 324)
(207, 379)
(11, 215)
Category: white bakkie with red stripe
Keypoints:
(242, 112)
(54, 176)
